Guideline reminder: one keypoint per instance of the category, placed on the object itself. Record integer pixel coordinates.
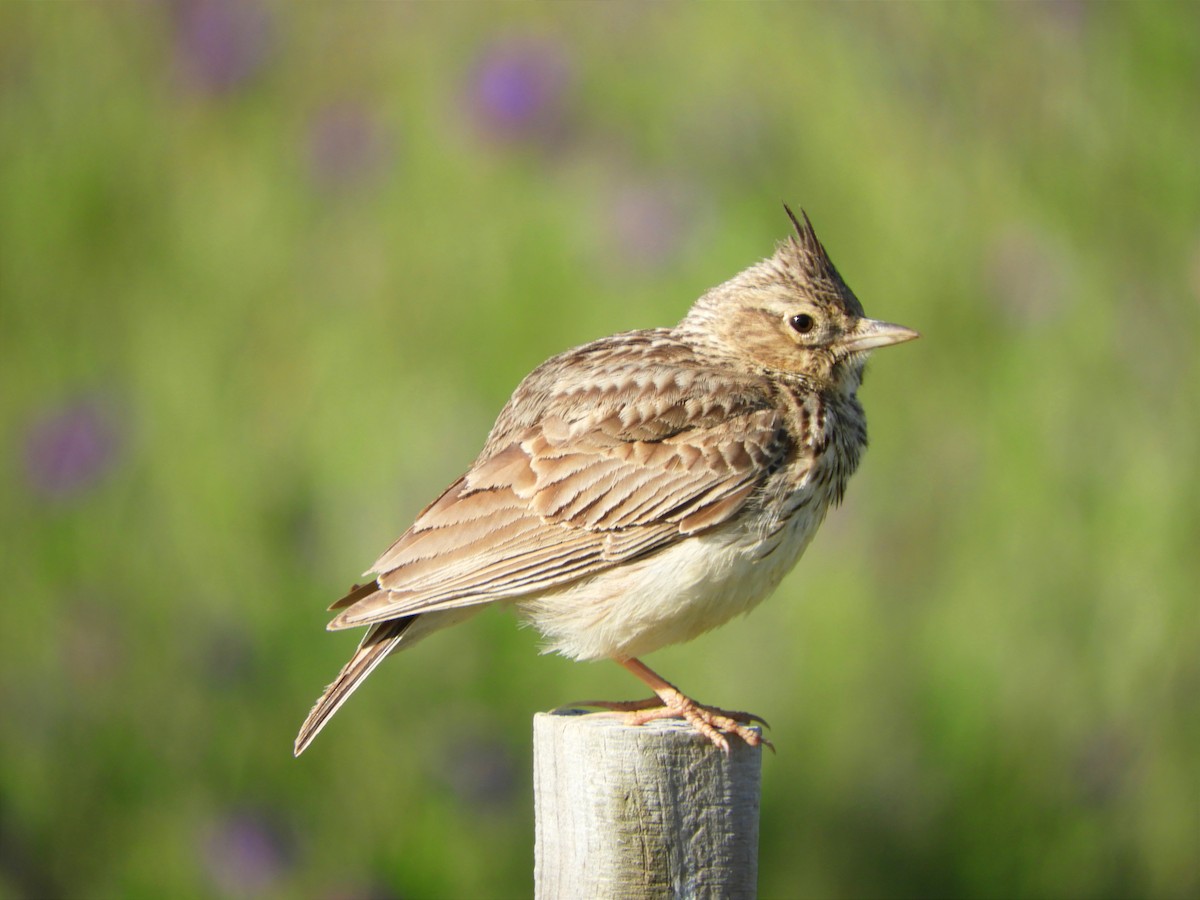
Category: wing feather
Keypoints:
(604, 476)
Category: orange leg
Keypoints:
(671, 703)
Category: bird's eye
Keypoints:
(803, 323)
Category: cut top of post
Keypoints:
(653, 810)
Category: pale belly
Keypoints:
(670, 597)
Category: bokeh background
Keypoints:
(268, 272)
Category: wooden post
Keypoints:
(647, 811)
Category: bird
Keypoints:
(644, 488)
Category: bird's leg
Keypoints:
(672, 703)
(669, 702)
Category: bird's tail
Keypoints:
(378, 643)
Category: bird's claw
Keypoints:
(711, 721)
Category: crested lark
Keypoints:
(646, 487)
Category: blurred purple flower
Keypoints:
(648, 224)
(481, 772)
(1151, 363)
(345, 145)
(519, 90)
(228, 658)
(1104, 765)
(369, 891)
(92, 641)
(1195, 270)
(70, 448)
(1029, 276)
(220, 44)
(1069, 16)
(244, 855)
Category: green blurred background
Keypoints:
(268, 272)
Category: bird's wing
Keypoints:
(568, 499)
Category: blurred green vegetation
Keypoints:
(268, 272)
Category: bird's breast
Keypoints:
(674, 595)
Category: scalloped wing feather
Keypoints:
(569, 498)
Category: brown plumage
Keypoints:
(643, 488)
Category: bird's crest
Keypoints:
(803, 257)
(807, 250)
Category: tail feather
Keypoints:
(378, 643)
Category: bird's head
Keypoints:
(792, 313)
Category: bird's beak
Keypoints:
(871, 334)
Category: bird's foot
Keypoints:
(711, 721)
(656, 702)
